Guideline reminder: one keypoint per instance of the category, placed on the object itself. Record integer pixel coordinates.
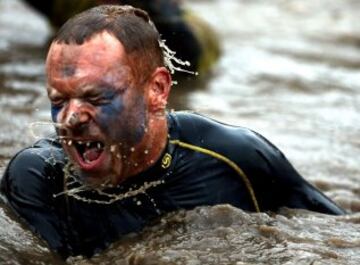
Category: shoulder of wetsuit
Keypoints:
(227, 139)
(32, 166)
(246, 148)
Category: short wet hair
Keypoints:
(131, 26)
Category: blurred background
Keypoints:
(288, 69)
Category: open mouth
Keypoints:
(89, 153)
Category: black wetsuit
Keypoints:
(205, 163)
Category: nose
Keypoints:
(76, 115)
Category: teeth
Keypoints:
(80, 142)
(132, 149)
(88, 144)
(99, 146)
(69, 142)
(112, 148)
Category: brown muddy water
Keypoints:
(290, 70)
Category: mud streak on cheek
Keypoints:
(123, 123)
(108, 115)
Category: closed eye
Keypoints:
(99, 100)
(58, 102)
(102, 98)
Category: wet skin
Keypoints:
(95, 99)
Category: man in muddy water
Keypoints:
(119, 160)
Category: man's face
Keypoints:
(100, 110)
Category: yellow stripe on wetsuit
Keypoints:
(231, 163)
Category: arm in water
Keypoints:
(28, 191)
(288, 188)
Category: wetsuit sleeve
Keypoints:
(281, 185)
(26, 185)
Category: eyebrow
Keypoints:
(89, 90)
(97, 88)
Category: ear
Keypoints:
(159, 89)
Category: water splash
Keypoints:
(75, 186)
(36, 124)
(172, 63)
